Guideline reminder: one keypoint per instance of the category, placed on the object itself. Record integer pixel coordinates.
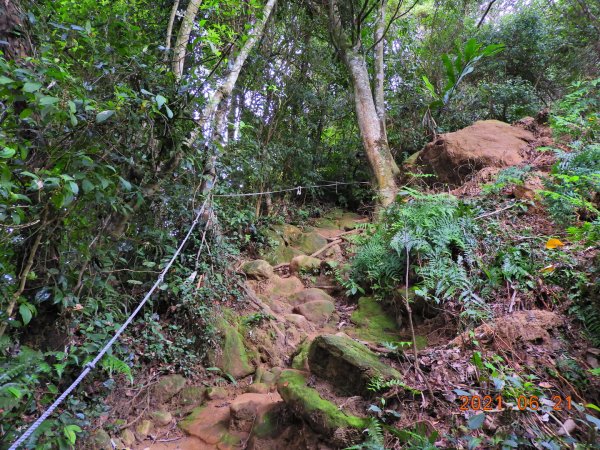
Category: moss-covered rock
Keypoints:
(161, 418)
(186, 424)
(283, 254)
(300, 356)
(100, 440)
(233, 358)
(323, 416)
(347, 364)
(326, 223)
(310, 242)
(310, 295)
(127, 437)
(168, 387)
(373, 324)
(192, 395)
(304, 263)
(318, 311)
(144, 429)
(289, 233)
(216, 393)
(349, 221)
(258, 269)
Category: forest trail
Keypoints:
(294, 308)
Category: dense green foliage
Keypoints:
(98, 182)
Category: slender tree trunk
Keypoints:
(380, 79)
(170, 25)
(183, 38)
(380, 68)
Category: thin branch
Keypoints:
(487, 10)
(392, 20)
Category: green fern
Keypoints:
(113, 364)
(375, 438)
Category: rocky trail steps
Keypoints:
(302, 358)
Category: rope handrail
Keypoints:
(92, 364)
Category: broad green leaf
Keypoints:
(5, 80)
(126, 184)
(87, 185)
(449, 69)
(31, 87)
(74, 188)
(104, 115)
(7, 152)
(476, 421)
(169, 112)
(26, 314)
(48, 101)
(429, 86)
(160, 101)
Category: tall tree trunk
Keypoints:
(375, 144)
(183, 38)
(372, 134)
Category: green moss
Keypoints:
(421, 342)
(372, 322)
(300, 360)
(306, 402)
(267, 426)
(348, 364)
(234, 359)
(185, 424)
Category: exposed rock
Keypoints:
(283, 254)
(326, 223)
(144, 429)
(192, 395)
(372, 322)
(161, 418)
(233, 358)
(299, 321)
(127, 437)
(347, 364)
(243, 415)
(310, 295)
(324, 417)
(258, 269)
(304, 263)
(487, 143)
(519, 327)
(258, 388)
(216, 393)
(100, 440)
(283, 287)
(318, 311)
(289, 233)
(300, 356)
(349, 221)
(168, 387)
(310, 242)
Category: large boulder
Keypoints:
(233, 358)
(349, 365)
(310, 295)
(323, 416)
(309, 243)
(318, 311)
(304, 263)
(167, 387)
(258, 269)
(486, 143)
